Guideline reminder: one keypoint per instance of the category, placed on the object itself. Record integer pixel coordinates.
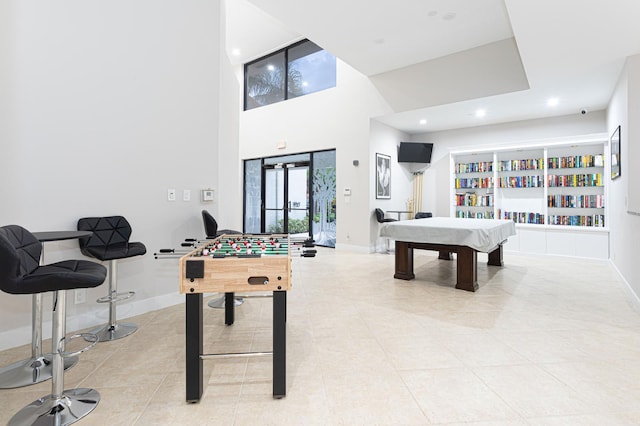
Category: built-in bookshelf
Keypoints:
(474, 186)
(521, 181)
(555, 185)
(575, 186)
(555, 191)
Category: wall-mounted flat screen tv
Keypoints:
(415, 152)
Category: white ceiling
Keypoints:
(573, 50)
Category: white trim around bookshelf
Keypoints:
(556, 185)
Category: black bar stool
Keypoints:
(110, 241)
(20, 273)
(381, 219)
(37, 368)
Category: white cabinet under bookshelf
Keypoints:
(555, 191)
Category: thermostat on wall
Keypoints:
(207, 195)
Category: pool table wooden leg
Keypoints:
(466, 268)
(404, 261)
(495, 257)
(445, 255)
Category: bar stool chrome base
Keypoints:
(116, 331)
(218, 302)
(30, 371)
(69, 408)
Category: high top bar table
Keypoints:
(400, 213)
(38, 368)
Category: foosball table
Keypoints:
(237, 263)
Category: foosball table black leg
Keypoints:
(279, 344)
(229, 308)
(194, 346)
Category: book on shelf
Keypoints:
(579, 180)
(596, 220)
(595, 201)
(526, 164)
(462, 183)
(576, 161)
(479, 167)
(474, 200)
(523, 217)
(534, 181)
(462, 214)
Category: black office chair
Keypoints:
(20, 273)
(211, 230)
(110, 241)
(211, 226)
(423, 215)
(381, 219)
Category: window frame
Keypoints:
(285, 52)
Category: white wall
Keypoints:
(334, 118)
(625, 227)
(436, 190)
(229, 193)
(385, 140)
(106, 105)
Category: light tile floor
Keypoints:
(545, 341)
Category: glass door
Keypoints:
(286, 199)
(293, 194)
(298, 200)
(274, 200)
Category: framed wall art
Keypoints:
(383, 176)
(615, 153)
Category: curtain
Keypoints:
(417, 194)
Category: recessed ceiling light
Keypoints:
(552, 102)
(423, 121)
(481, 113)
(270, 67)
(235, 52)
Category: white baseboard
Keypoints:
(632, 296)
(96, 316)
(354, 248)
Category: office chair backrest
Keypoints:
(210, 224)
(19, 256)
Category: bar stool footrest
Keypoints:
(117, 298)
(89, 337)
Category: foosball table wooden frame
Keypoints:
(230, 273)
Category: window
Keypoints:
(301, 68)
(311, 69)
(264, 81)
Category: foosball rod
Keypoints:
(177, 255)
(193, 242)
